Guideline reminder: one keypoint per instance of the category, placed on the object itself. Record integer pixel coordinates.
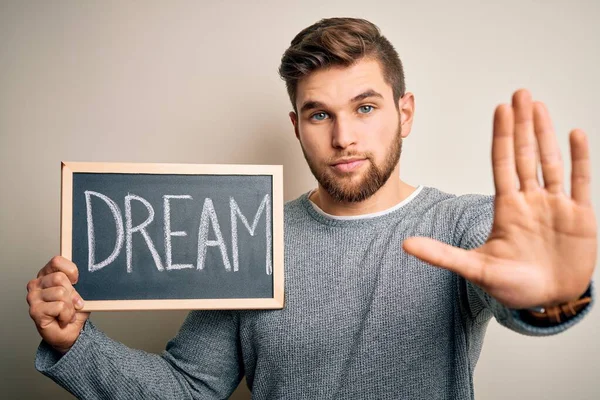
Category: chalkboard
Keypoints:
(174, 236)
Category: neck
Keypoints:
(391, 193)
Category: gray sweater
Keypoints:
(362, 319)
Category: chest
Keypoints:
(369, 298)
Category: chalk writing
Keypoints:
(208, 220)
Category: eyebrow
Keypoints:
(312, 104)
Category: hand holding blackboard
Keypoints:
(54, 304)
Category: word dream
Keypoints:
(125, 231)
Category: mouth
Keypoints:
(348, 164)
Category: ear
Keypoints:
(406, 107)
(294, 119)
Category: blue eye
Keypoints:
(367, 109)
(317, 116)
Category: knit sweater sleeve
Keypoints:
(201, 362)
(480, 303)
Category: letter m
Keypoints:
(265, 206)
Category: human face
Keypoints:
(349, 128)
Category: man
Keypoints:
(366, 316)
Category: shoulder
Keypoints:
(463, 213)
(460, 207)
(295, 210)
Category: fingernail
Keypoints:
(78, 303)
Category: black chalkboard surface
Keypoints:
(174, 236)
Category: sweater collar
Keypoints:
(323, 217)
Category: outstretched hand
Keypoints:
(542, 247)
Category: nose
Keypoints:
(343, 135)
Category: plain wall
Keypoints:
(196, 82)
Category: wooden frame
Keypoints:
(276, 171)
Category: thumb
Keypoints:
(466, 263)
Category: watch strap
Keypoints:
(548, 316)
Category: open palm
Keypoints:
(542, 248)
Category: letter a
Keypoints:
(209, 215)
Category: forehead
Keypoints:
(337, 85)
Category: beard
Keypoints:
(350, 188)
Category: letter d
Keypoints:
(116, 213)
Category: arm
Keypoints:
(201, 362)
(539, 249)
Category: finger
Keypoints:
(581, 169)
(550, 158)
(59, 293)
(55, 293)
(33, 296)
(524, 141)
(52, 295)
(503, 161)
(55, 279)
(467, 264)
(33, 284)
(60, 282)
(60, 264)
(43, 313)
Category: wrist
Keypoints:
(553, 315)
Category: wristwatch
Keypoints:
(544, 317)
